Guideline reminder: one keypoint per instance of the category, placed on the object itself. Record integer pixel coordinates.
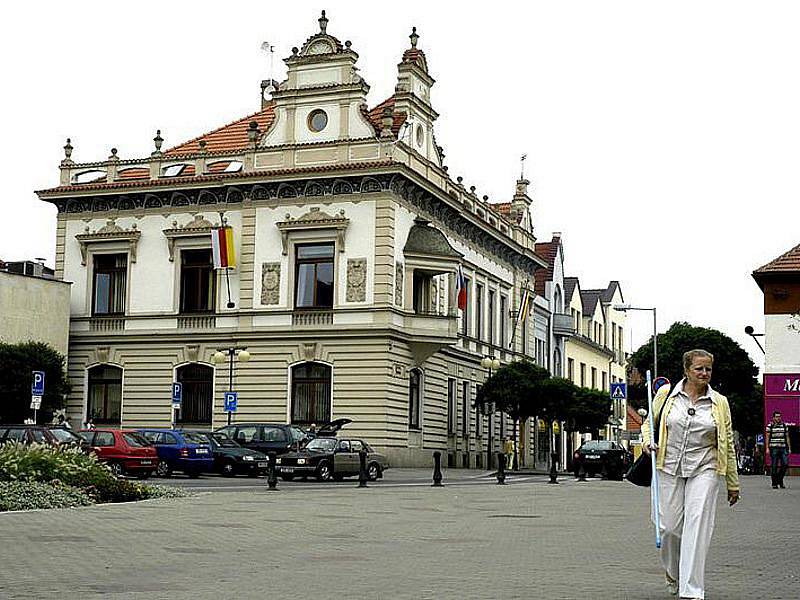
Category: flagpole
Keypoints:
(654, 474)
(228, 280)
(517, 317)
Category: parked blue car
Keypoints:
(180, 451)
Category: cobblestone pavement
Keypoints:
(527, 540)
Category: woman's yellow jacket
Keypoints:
(721, 411)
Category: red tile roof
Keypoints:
(375, 115)
(503, 208)
(134, 173)
(548, 251)
(228, 138)
(788, 262)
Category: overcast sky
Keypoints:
(663, 139)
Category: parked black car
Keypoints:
(331, 458)
(605, 457)
(42, 434)
(266, 437)
(232, 459)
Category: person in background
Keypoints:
(695, 448)
(508, 450)
(89, 424)
(63, 421)
(779, 449)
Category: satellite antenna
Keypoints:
(269, 49)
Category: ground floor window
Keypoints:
(311, 393)
(414, 389)
(198, 393)
(105, 395)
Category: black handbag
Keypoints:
(641, 471)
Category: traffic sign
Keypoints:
(659, 382)
(231, 401)
(36, 402)
(619, 391)
(177, 394)
(37, 388)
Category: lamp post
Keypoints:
(489, 362)
(749, 331)
(241, 354)
(627, 307)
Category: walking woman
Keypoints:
(695, 448)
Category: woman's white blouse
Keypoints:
(691, 438)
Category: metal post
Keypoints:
(231, 352)
(655, 344)
(362, 472)
(272, 477)
(501, 468)
(553, 470)
(437, 469)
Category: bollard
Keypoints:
(362, 472)
(553, 471)
(437, 469)
(501, 468)
(272, 476)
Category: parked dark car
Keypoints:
(331, 458)
(125, 452)
(180, 451)
(605, 457)
(232, 459)
(42, 434)
(267, 437)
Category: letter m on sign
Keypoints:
(792, 385)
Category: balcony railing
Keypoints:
(107, 324)
(563, 325)
(312, 318)
(197, 321)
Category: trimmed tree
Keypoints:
(17, 363)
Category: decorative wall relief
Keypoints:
(398, 284)
(435, 295)
(270, 283)
(356, 279)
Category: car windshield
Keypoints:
(322, 444)
(194, 438)
(135, 440)
(222, 440)
(64, 436)
(598, 445)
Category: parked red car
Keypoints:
(125, 452)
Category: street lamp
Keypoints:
(489, 362)
(241, 354)
(749, 331)
(627, 307)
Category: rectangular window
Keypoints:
(422, 293)
(465, 411)
(478, 415)
(413, 399)
(605, 380)
(198, 281)
(594, 378)
(619, 339)
(452, 417)
(503, 321)
(314, 276)
(479, 311)
(490, 320)
(583, 374)
(110, 273)
(571, 369)
(465, 313)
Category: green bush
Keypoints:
(28, 495)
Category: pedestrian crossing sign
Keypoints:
(618, 391)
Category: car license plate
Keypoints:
(263, 465)
(287, 469)
(593, 457)
(201, 451)
(147, 462)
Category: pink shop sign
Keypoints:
(787, 385)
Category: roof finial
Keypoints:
(158, 140)
(68, 150)
(323, 22)
(414, 37)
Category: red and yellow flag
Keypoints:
(222, 248)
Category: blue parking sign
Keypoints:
(37, 388)
(177, 394)
(231, 401)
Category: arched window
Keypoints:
(557, 303)
(105, 395)
(414, 395)
(557, 363)
(198, 394)
(311, 393)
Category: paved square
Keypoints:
(470, 539)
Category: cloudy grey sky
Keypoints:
(663, 138)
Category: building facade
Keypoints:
(348, 233)
(779, 280)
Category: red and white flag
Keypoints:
(461, 289)
(222, 248)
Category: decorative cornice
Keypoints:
(197, 227)
(314, 219)
(110, 232)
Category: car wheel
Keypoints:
(117, 469)
(324, 472)
(163, 469)
(144, 475)
(287, 477)
(373, 471)
(228, 469)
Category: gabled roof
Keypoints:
(787, 263)
(570, 283)
(589, 299)
(548, 251)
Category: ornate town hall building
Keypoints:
(349, 234)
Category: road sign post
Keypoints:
(37, 391)
(231, 403)
(177, 399)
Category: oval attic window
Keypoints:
(420, 136)
(317, 120)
